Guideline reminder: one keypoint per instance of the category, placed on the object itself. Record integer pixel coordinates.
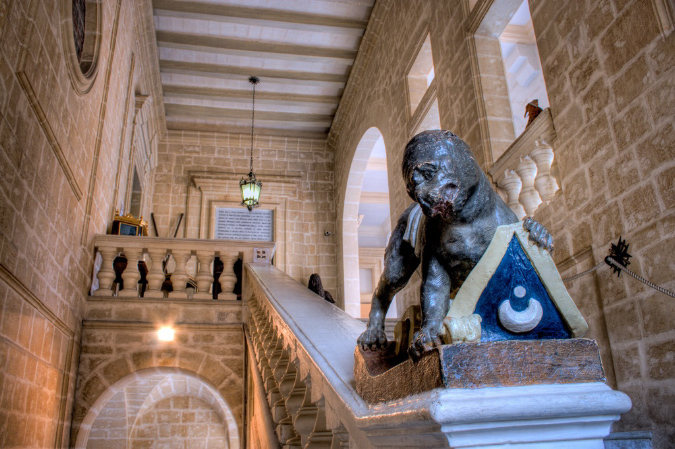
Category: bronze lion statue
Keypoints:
(446, 230)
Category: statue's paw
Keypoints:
(424, 340)
(372, 338)
(538, 234)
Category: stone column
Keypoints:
(131, 275)
(512, 184)
(156, 274)
(204, 276)
(228, 278)
(179, 276)
(545, 183)
(529, 197)
(106, 275)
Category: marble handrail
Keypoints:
(302, 351)
(523, 172)
(184, 259)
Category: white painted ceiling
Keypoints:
(302, 51)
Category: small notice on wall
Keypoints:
(240, 224)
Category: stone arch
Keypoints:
(352, 197)
(110, 355)
(155, 380)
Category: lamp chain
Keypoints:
(254, 81)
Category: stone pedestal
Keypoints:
(541, 416)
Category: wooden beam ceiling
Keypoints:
(301, 51)
(226, 12)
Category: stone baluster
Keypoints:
(305, 418)
(228, 278)
(279, 405)
(155, 274)
(204, 276)
(288, 380)
(297, 395)
(179, 277)
(106, 275)
(545, 183)
(320, 437)
(529, 198)
(131, 275)
(512, 184)
(340, 438)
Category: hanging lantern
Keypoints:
(250, 188)
(250, 191)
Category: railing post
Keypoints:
(340, 438)
(228, 278)
(512, 184)
(321, 437)
(204, 277)
(156, 274)
(179, 276)
(106, 275)
(131, 275)
(545, 183)
(529, 197)
(305, 418)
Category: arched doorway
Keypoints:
(366, 223)
(155, 406)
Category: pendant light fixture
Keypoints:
(250, 188)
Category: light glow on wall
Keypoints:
(166, 333)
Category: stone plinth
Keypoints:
(541, 416)
(381, 376)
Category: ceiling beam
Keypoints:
(173, 124)
(242, 12)
(220, 94)
(224, 113)
(374, 197)
(217, 69)
(216, 43)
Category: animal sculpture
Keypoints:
(446, 230)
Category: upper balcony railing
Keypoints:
(190, 262)
(524, 170)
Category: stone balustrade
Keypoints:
(523, 172)
(184, 259)
(302, 391)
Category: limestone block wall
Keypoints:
(120, 347)
(180, 421)
(58, 162)
(377, 95)
(305, 164)
(611, 82)
(609, 72)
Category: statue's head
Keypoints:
(440, 172)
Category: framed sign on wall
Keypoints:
(240, 224)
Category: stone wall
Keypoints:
(611, 85)
(186, 422)
(377, 94)
(60, 143)
(120, 346)
(611, 82)
(303, 168)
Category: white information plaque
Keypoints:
(240, 224)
